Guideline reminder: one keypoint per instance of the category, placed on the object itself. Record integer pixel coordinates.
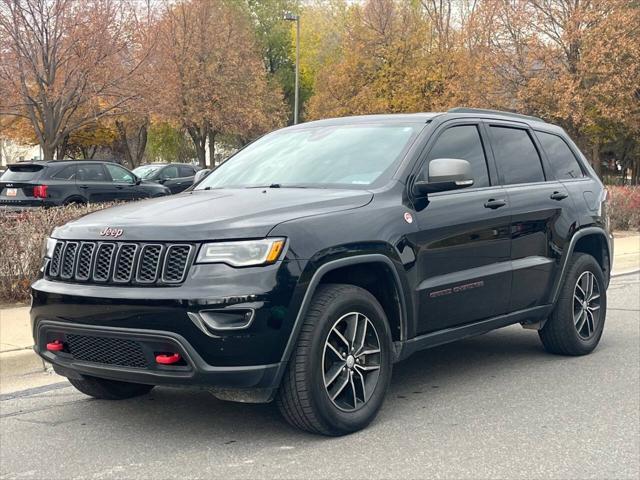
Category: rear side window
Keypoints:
(516, 155)
(66, 173)
(22, 173)
(170, 172)
(463, 142)
(563, 162)
(186, 171)
(91, 172)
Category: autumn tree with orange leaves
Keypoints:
(65, 64)
(211, 78)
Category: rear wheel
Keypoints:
(339, 373)
(109, 389)
(577, 322)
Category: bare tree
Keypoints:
(65, 63)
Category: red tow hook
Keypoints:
(55, 346)
(168, 358)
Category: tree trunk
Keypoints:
(48, 151)
(133, 154)
(212, 148)
(595, 158)
(199, 136)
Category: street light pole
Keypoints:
(296, 18)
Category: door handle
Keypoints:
(558, 196)
(119, 187)
(492, 203)
(84, 186)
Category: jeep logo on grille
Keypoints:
(111, 232)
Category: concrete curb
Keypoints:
(625, 272)
(20, 362)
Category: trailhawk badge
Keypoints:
(111, 232)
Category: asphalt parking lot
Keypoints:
(494, 406)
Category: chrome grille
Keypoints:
(68, 259)
(121, 262)
(149, 264)
(174, 266)
(54, 266)
(85, 258)
(102, 270)
(125, 262)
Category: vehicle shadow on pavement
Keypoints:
(196, 416)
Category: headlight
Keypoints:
(48, 247)
(242, 254)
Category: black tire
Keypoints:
(560, 334)
(109, 389)
(303, 399)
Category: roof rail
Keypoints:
(495, 112)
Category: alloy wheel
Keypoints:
(586, 305)
(351, 361)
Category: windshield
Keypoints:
(22, 173)
(334, 156)
(147, 171)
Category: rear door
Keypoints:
(463, 239)
(17, 183)
(540, 212)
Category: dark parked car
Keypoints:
(177, 177)
(54, 183)
(314, 259)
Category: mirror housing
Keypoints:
(445, 174)
(200, 175)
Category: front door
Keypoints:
(124, 182)
(463, 240)
(94, 183)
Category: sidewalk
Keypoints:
(21, 368)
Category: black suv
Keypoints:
(53, 183)
(177, 177)
(315, 258)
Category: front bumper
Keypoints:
(161, 319)
(193, 370)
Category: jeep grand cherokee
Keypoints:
(314, 259)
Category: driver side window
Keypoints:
(463, 142)
(119, 174)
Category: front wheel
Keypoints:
(339, 373)
(577, 321)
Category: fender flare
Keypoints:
(583, 232)
(315, 281)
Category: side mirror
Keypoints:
(137, 180)
(162, 180)
(200, 175)
(445, 174)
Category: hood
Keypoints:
(212, 214)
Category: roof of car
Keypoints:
(458, 112)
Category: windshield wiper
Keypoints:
(278, 185)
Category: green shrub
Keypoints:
(22, 238)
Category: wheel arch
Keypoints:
(327, 273)
(593, 241)
(74, 198)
